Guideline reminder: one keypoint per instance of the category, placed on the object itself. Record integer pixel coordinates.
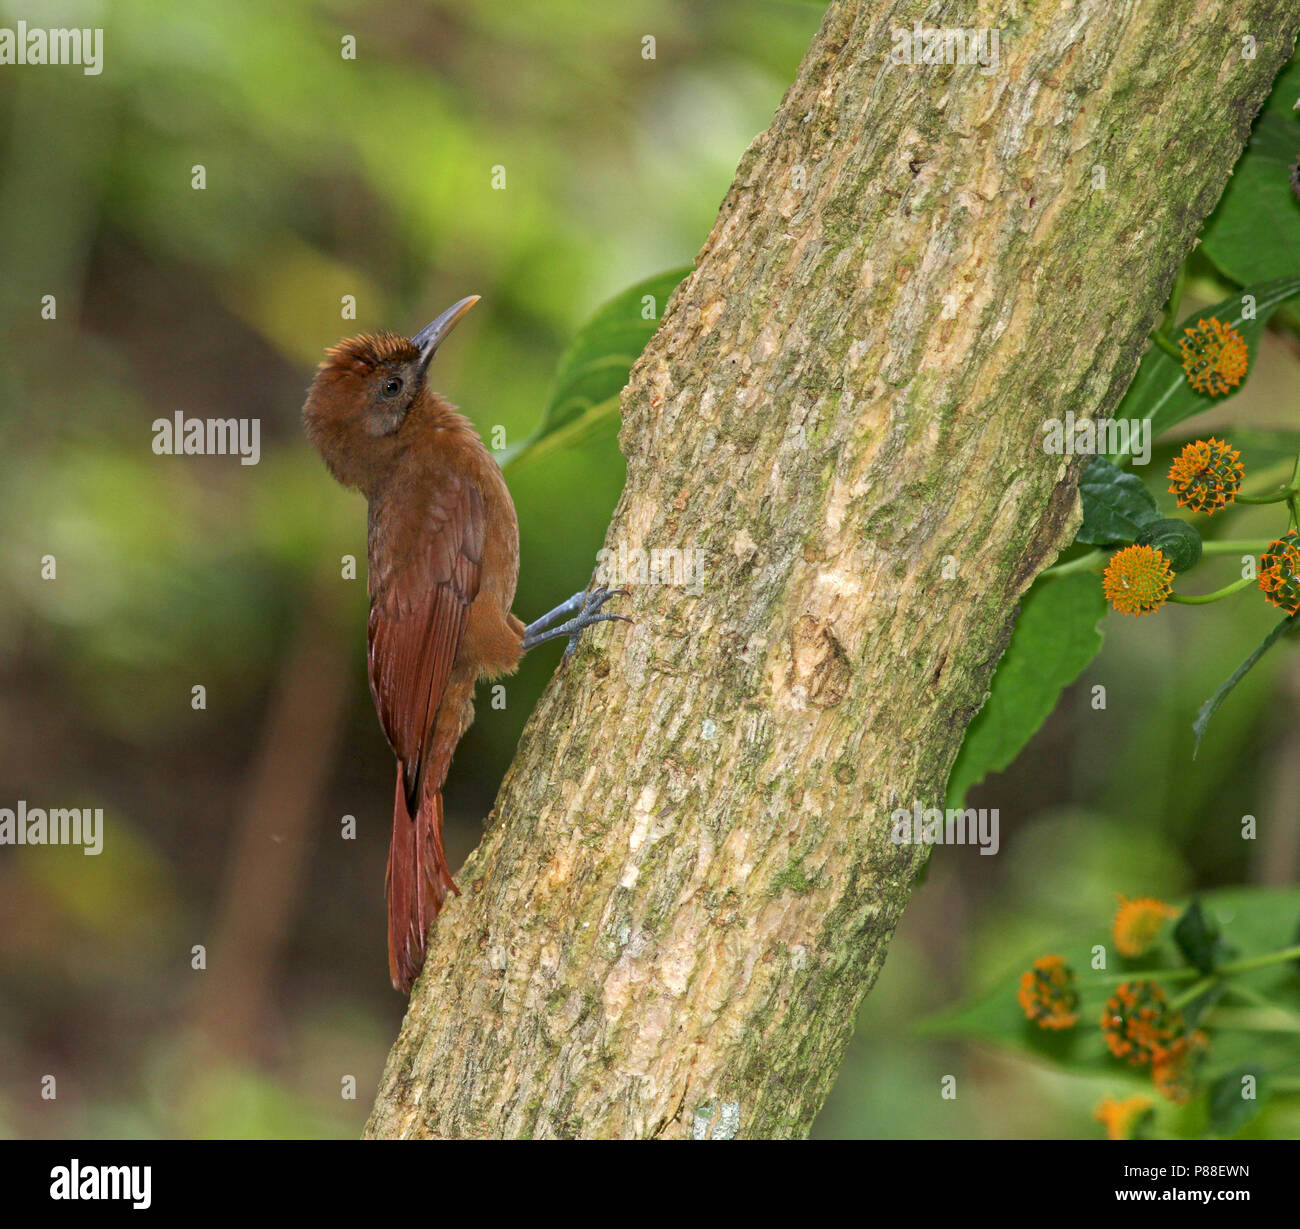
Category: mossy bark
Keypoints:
(689, 882)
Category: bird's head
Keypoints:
(363, 394)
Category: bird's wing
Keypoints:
(418, 612)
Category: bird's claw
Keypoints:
(588, 611)
(590, 614)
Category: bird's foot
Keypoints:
(586, 610)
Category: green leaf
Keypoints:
(1160, 391)
(1254, 232)
(1230, 1109)
(1199, 938)
(1211, 706)
(595, 367)
(1176, 540)
(1116, 505)
(1055, 637)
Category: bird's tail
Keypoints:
(417, 881)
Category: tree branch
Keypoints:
(690, 883)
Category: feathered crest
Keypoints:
(362, 354)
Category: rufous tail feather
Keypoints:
(417, 882)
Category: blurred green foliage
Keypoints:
(329, 177)
(325, 177)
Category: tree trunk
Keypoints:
(689, 883)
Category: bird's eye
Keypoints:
(392, 386)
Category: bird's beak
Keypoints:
(429, 338)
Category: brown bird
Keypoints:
(443, 549)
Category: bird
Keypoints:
(443, 559)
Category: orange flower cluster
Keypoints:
(1206, 476)
(1123, 1118)
(1138, 924)
(1139, 1025)
(1279, 572)
(1215, 356)
(1047, 993)
(1137, 580)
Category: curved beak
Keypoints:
(429, 338)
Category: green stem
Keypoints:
(1260, 962)
(1276, 498)
(1095, 560)
(1091, 562)
(1187, 974)
(1201, 599)
(1160, 975)
(1167, 345)
(1235, 546)
(1193, 992)
(1293, 493)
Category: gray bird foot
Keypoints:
(586, 609)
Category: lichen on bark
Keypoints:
(688, 883)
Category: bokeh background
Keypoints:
(372, 177)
